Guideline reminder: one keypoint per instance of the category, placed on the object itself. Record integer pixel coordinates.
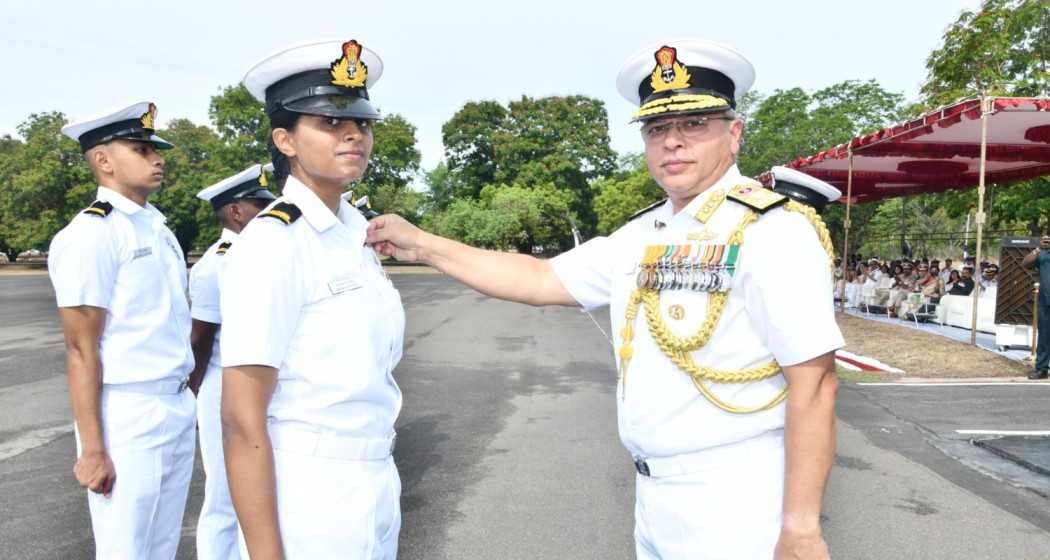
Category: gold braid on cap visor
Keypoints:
(676, 103)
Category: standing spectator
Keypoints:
(946, 271)
(964, 285)
(1039, 260)
(990, 278)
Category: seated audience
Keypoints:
(964, 286)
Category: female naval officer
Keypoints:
(312, 327)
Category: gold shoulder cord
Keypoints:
(679, 350)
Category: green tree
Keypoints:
(621, 196)
(43, 183)
(470, 153)
(507, 217)
(392, 167)
(792, 123)
(196, 162)
(1000, 49)
(559, 141)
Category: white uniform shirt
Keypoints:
(780, 307)
(310, 299)
(205, 279)
(130, 264)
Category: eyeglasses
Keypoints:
(691, 128)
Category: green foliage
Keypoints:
(507, 217)
(195, 162)
(470, 151)
(1000, 49)
(559, 141)
(789, 124)
(392, 167)
(620, 197)
(43, 183)
(395, 159)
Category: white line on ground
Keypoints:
(957, 384)
(1004, 432)
(32, 440)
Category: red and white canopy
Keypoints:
(940, 151)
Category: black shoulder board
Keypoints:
(646, 209)
(284, 211)
(756, 197)
(223, 247)
(98, 208)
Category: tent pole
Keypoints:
(846, 227)
(985, 110)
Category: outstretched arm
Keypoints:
(509, 276)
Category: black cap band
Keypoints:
(805, 195)
(130, 129)
(307, 84)
(246, 190)
(701, 80)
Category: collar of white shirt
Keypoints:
(316, 213)
(730, 179)
(125, 204)
(228, 235)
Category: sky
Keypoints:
(84, 58)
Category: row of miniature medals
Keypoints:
(695, 267)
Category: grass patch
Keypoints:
(922, 354)
(860, 376)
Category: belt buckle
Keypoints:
(641, 466)
(183, 384)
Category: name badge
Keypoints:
(342, 284)
(142, 252)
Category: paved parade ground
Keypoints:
(507, 445)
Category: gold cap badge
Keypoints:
(668, 74)
(348, 70)
(149, 116)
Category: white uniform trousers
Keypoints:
(336, 508)
(150, 439)
(217, 524)
(727, 505)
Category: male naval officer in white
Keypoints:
(120, 282)
(711, 333)
(235, 200)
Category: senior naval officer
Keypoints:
(235, 201)
(727, 378)
(120, 282)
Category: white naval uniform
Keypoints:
(217, 524)
(130, 264)
(717, 478)
(309, 299)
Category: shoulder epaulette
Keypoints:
(646, 209)
(284, 211)
(756, 197)
(223, 247)
(98, 208)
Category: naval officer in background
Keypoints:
(120, 281)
